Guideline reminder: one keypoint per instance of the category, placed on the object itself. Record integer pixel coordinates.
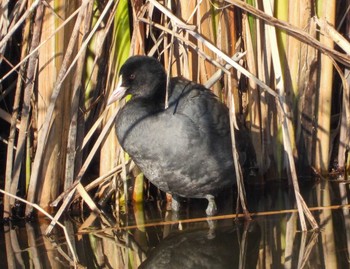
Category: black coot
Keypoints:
(184, 149)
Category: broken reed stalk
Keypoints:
(305, 38)
(70, 188)
(50, 59)
(65, 69)
(306, 248)
(257, 112)
(68, 193)
(218, 217)
(98, 181)
(287, 127)
(19, 22)
(9, 173)
(326, 10)
(344, 139)
(238, 170)
(119, 53)
(24, 59)
(50, 115)
(344, 123)
(74, 143)
(201, 52)
(26, 107)
(37, 207)
(293, 31)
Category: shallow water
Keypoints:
(151, 237)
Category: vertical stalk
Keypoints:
(26, 107)
(263, 132)
(8, 202)
(48, 165)
(325, 11)
(287, 127)
(344, 138)
(75, 133)
(205, 27)
(281, 12)
(118, 55)
(303, 83)
(326, 222)
(252, 43)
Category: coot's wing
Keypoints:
(201, 106)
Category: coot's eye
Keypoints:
(132, 76)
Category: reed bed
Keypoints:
(272, 240)
(280, 67)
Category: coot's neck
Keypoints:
(156, 98)
(136, 111)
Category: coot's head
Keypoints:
(142, 77)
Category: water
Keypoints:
(151, 237)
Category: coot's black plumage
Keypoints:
(184, 149)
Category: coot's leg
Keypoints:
(212, 228)
(175, 203)
(211, 209)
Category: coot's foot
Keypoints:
(175, 203)
(211, 208)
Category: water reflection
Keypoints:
(23, 246)
(235, 246)
(151, 237)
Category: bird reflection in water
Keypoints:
(235, 246)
